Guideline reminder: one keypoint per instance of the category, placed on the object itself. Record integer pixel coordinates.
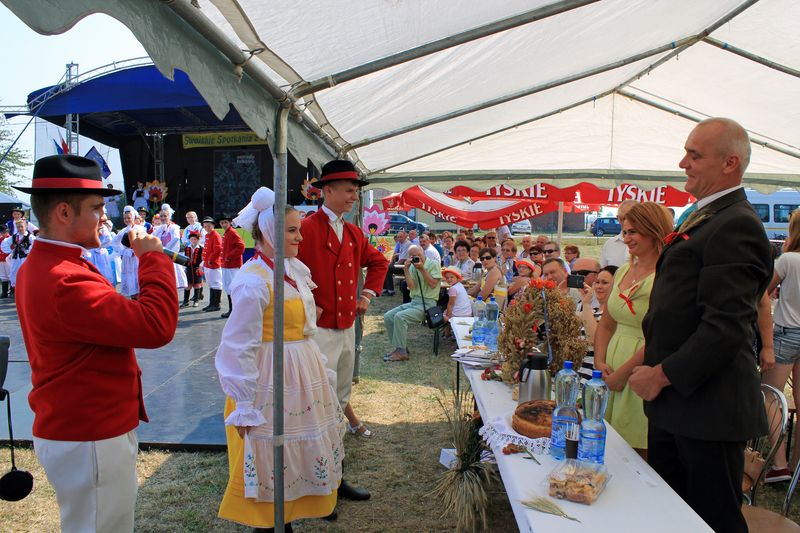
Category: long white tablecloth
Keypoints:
(635, 500)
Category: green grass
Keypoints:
(181, 491)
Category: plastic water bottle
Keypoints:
(492, 325)
(479, 325)
(568, 385)
(592, 446)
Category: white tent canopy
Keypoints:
(534, 90)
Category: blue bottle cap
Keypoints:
(480, 298)
(596, 374)
(491, 298)
(568, 365)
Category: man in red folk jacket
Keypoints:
(87, 392)
(336, 251)
(212, 263)
(232, 250)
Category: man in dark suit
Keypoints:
(700, 382)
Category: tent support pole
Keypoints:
(450, 41)
(280, 173)
(560, 223)
(687, 116)
(752, 57)
(520, 94)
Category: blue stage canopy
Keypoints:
(132, 102)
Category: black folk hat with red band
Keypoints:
(339, 170)
(67, 174)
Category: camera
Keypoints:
(575, 281)
(415, 259)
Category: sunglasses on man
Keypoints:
(486, 257)
(549, 251)
(584, 273)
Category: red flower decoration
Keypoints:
(674, 235)
(528, 308)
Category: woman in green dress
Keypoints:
(619, 341)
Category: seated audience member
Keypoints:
(571, 253)
(448, 249)
(598, 291)
(490, 241)
(541, 240)
(428, 248)
(527, 270)
(493, 283)
(423, 277)
(463, 262)
(524, 245)
(458, 301)
(503, 233)
(509, 259)
(588, 268)
(553, 251)
(436, 243)
(614, 251)
(412, 236)
(536, 254)
(555, 270)
(400, 255)
(475, 252)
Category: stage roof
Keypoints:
(513, 90)
(132, 102)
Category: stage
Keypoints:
(181, 391)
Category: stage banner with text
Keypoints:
(237, 174)
(219, 139)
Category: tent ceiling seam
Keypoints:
(522, 19)
(699, 37)
(761, 136)
(752, 57)
(500, 130)
(662, 107)
(521, 94)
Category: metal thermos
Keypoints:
(534, 378)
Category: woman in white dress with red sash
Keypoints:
(170, 235)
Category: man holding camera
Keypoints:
(87, 392)
(423, 276)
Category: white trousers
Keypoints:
(227, 277)
(5, 271)
(214, 278)
(339, 347)
(95, 481)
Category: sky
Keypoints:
(31, 61)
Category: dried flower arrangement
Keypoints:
(524, 327)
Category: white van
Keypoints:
(774, 210)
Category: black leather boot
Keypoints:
(185, 303)
(216, 296)
(5, 290)
(230, 308)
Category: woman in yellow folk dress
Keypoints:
(619, 341)
(313, 420)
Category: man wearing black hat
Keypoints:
(18, 213)
(232, 250)
(212, 263)
(87, 393)
(336, 251)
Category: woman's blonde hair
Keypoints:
(256, 233)
(793, 241)
(651, 220)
